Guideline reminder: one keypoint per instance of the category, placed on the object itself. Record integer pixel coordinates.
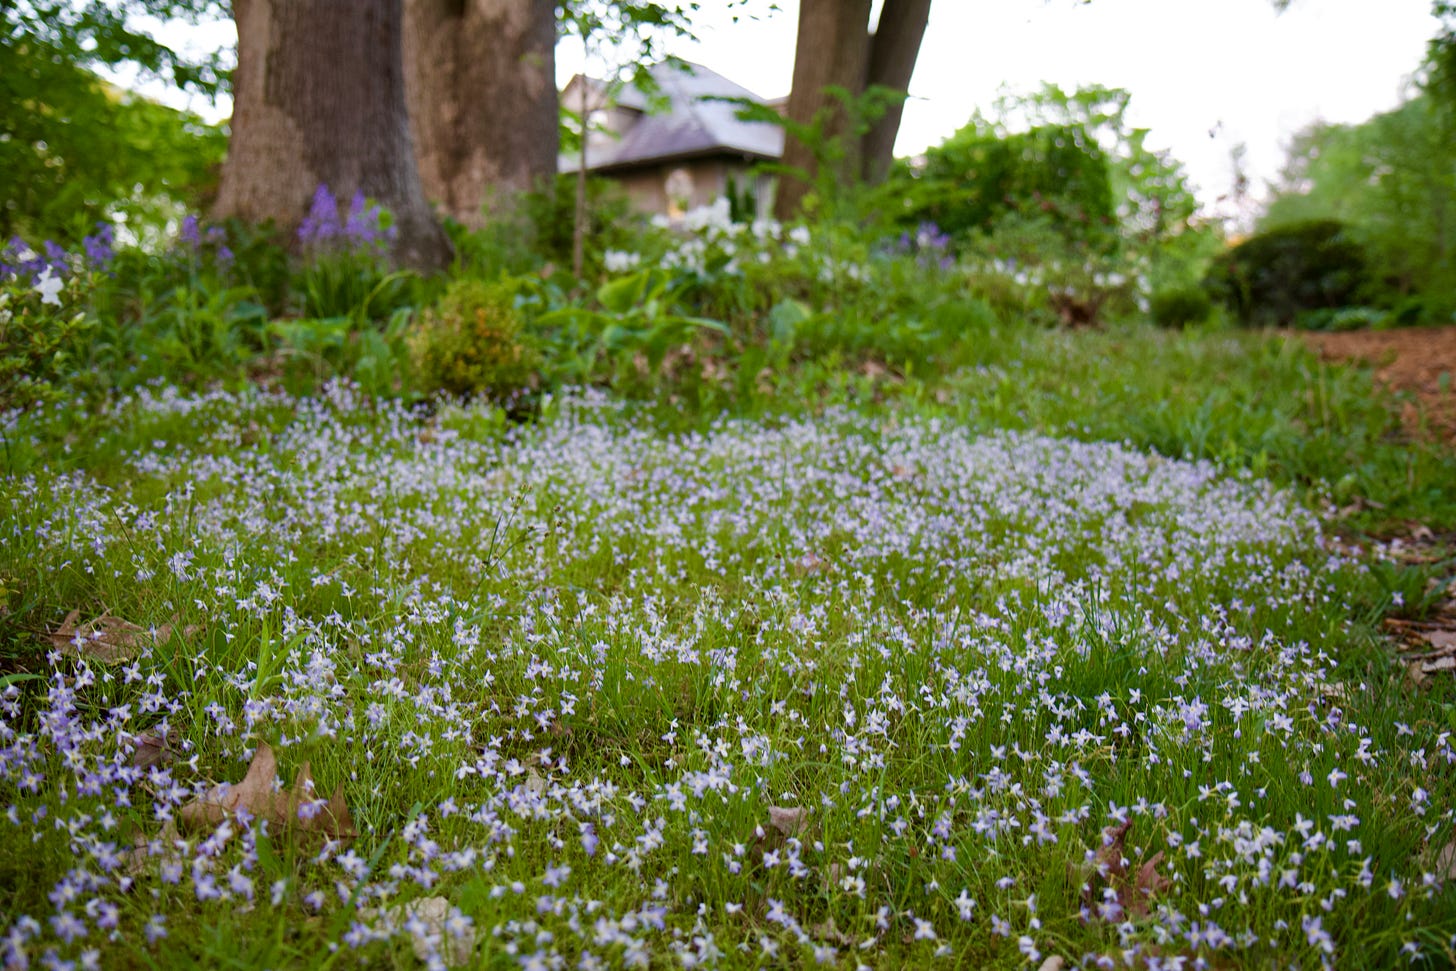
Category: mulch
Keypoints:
(1411, 360)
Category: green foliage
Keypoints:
(1279, 276)
(75, 150)
(375, 357)
(1180, 306)
(472, 341)
(1392, 181)
(1030, 271)
(1156, 204)
(832, 136)
(39, 337)
(352, 285)
(202, 331)
(551, 214)
(978, 176)
(638, 316)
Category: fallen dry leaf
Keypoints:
(790, 822)
(427, 921)
(1441, 640)
(1437, 665)
(297, 809)
(1133, 888)
(140, 854)
(1053, 963)
(827, 931)
(150, 749)
(1446, 863)
(109, 639)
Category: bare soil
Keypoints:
(1412, 360)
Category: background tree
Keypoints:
(75, 150)
(836, 60)
(1392, 182)
(480, 86)
(319, 99)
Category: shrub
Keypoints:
(551, 212)
(39, 336)
(978, 177)
(1180, 306)
(1275, 277)
(471, 341)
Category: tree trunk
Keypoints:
(893, 50)
(319, 99)
(835, 48)
(480, 83)
(832, 50)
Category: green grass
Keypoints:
(966, 623)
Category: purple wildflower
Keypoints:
(99, 246)
(322, 222)
(189, 233)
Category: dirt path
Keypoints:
(1412, 359)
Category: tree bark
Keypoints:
(832, 50)
(835, 48)
(893, 50)
(480, 84)
(319, 99)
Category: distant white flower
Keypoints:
(49, 287)
(800, 235)
(620, 261)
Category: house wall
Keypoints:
(646, 187)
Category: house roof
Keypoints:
(690, 127)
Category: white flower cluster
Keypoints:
(707, 240)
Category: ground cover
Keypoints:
(925, 674)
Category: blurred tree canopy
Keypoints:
(978, 175)
(1392, 181)
(73, 147)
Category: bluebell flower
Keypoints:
(322, 222)
(189, 233)
(99, 246)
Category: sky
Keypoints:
(1205, 75)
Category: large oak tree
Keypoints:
(319, 98)
(837, 49)
(480, 84)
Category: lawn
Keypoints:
(1070, 654)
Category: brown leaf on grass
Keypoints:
(297, 809)
(790, 822)
(1441, 640)
(150, 749)
(140, 854)
(1446, 863)
(1109, 868)
(431, 934)
(109, 639)
(1149, 882)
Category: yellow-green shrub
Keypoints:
(472, 341)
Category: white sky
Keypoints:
(1233, 67)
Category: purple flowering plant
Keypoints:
(344, 270)
(758, 695)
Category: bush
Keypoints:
(39, 336)
(471, 341)
(1279, 276)
(976, 178)
(1180, 306)
(551, 212)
